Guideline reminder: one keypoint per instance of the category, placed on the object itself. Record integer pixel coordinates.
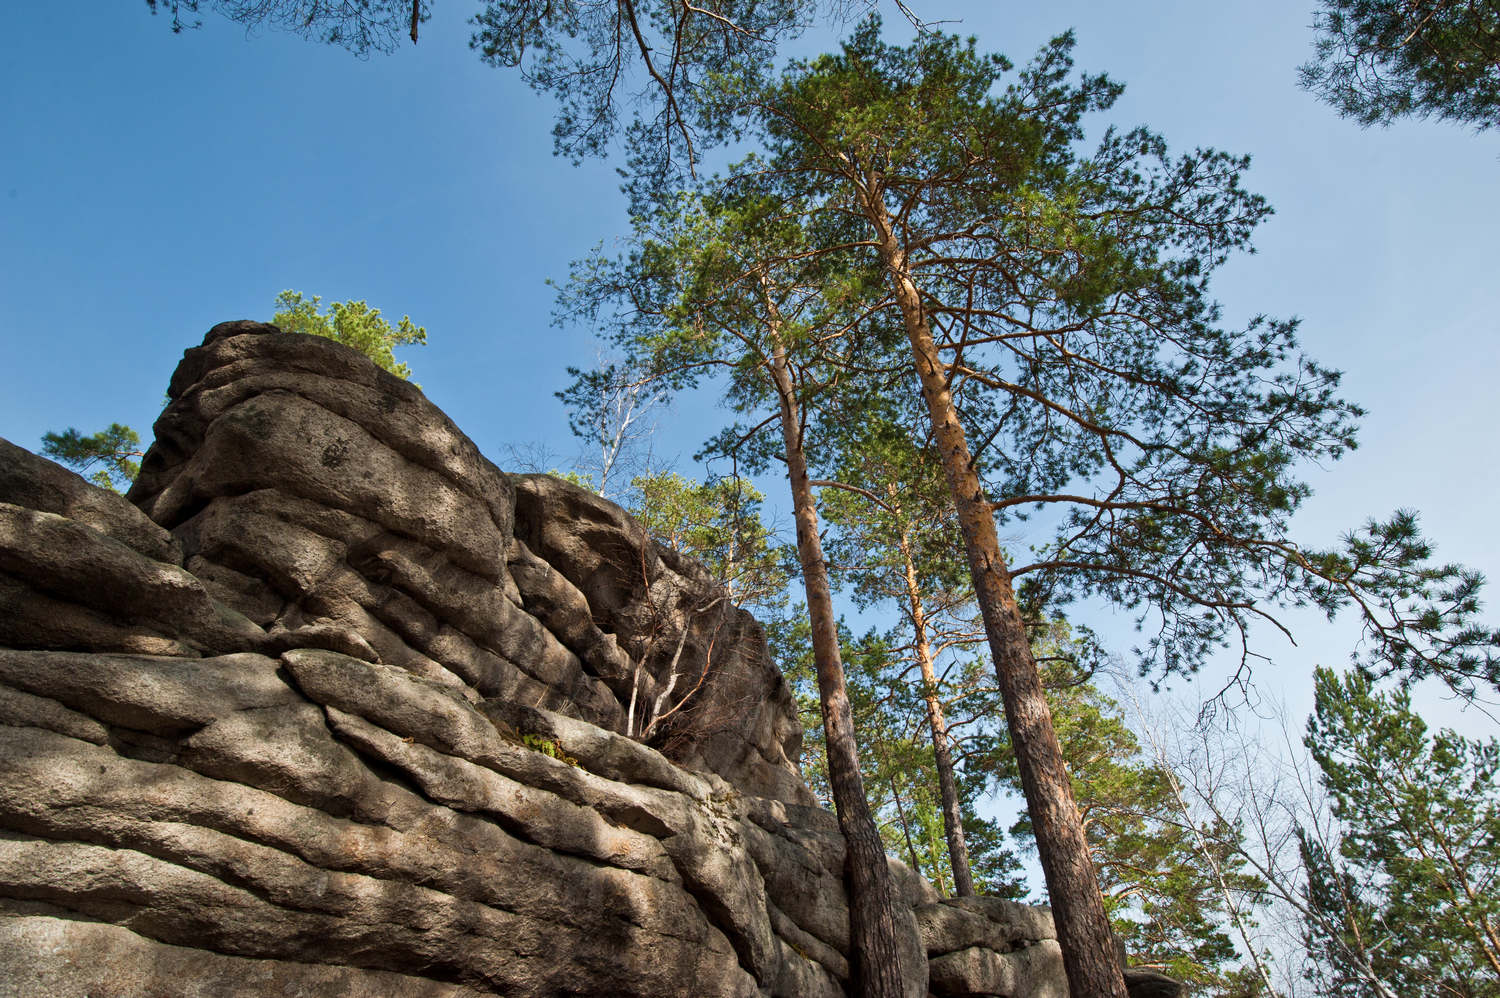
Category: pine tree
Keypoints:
(1412, 897)
(352, 323)
(1378, 60)
(897, 543)
(1056, 311)
(716, 286)
(897, 757)
(110, 454)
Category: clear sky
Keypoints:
(153, 185)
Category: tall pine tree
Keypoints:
(1060, 332)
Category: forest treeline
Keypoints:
(951, 309)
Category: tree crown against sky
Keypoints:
(1378, 60)
(645, 64)
(901, 500)
(352, 323)
(1068, 291)
(1057, 305)
(107, 457)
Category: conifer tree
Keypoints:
(1412, 898)
(109, 454)
(722, 286)
(1059, 326)
(897, 543)
(1378, 60)
(897, 756)
(352, 323)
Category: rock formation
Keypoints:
(333, 706)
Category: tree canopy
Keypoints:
(1056, 305)
(109, 454)
(352, 323)
(1410, 896)
(1067, 297)
(646, 63)
(1378, 60)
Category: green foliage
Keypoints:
(903, 513)
(1412, 890)
(352, 323)
(896, 754)
(712, 287)
(1068, 289)
(896, 543)
(550, 747)
(1378, 60)
(719, 524)
(1428, 610)
(111, 451)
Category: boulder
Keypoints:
(33, 482)
(1033, 971)
(1141, 983)
(334, 706)
(708, 693)
(64, 584)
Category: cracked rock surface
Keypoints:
(331, 705)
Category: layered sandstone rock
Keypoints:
(334, 706)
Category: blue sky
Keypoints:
(155, 184)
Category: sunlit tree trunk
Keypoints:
(872, 920)
(1072, 885)
(953, 822)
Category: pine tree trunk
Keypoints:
(1072, 886)
(953, 821)
(872, 917)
